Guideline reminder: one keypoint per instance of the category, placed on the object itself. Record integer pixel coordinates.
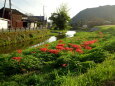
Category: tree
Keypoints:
(61, 18)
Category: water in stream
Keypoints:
(33, 43)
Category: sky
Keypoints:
(35, 7)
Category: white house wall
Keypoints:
(33, 25)
(3, 24)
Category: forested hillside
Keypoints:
(95, 16)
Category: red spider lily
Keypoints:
(19, 51)
(89, 42)
(88, 47)
(94, 41)
(79, 50)
(60, 47)
(63, 65)
(60, 41)
(43, 49)
(17, 58)
(54, 51)
(67, 48)
(76, 46)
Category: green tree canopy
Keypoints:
(61, 18)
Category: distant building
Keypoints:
(20, 20)
(36, 21)
(16, 17)
(3, 23)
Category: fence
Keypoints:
(20, 29)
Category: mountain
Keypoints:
(100, 15)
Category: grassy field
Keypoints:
(88, 59)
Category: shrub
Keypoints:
(11, 66)
(97, 55)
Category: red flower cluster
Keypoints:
(79, 51)
(43, 49)
(19, 51)
(76, 46)
(60, 47)
(67, 48)
(54, 51)
(63, 65)
(17, 58)
(88, 47)
(89, 42)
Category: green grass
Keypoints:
(93, 67)
(95, 76)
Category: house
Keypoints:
(3, 23)
(36, 21)
(16, 17)
(20, 20)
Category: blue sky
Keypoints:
(36, 6)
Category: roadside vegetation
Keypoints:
(7, 38)
(87, 59)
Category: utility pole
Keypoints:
(43, 16)
(4, 9)
(10, 13)
(43, 11)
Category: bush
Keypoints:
(97, 55)
(11, 66)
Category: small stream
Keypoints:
(33, 43)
